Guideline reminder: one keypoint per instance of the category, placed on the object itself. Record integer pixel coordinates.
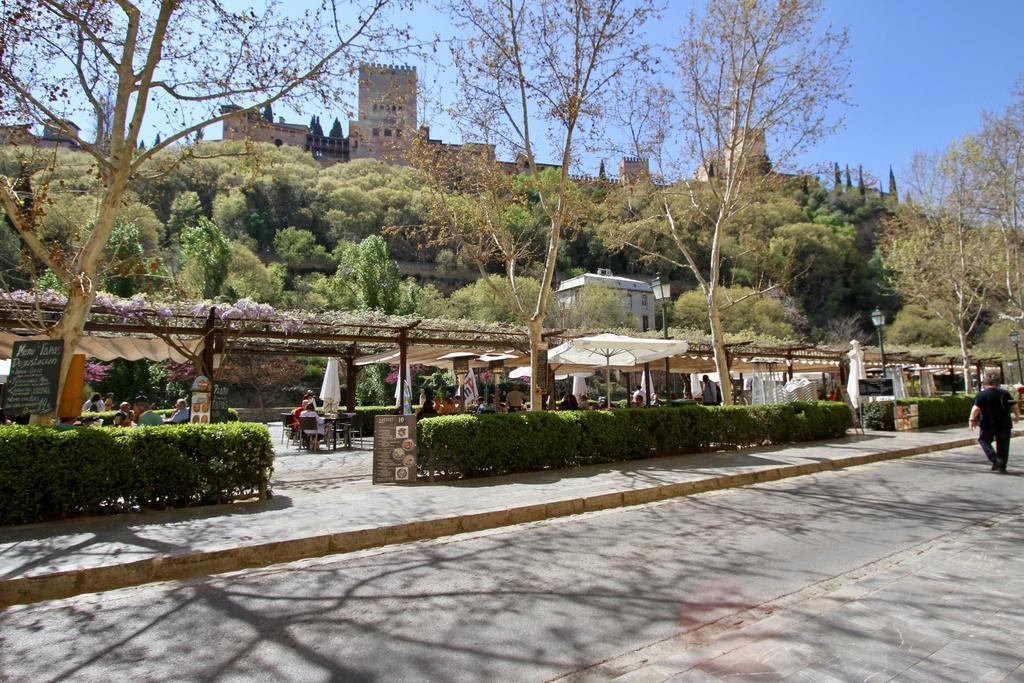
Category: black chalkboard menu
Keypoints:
(876, 386)
(219, 403)
(35, 376)
(394, 449)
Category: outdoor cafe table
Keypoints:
(331, 426)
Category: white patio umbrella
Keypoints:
(857, 373)
(614, 349)
(330, 390)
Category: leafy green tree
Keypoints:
(206, 254)
(299, 248)
(249, 278)
(764, 315)
(821, 264)
(915, 326)
(186, 209)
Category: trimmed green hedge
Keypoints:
(108, 415)
(491, 444)
(934, 411)
(48, 473)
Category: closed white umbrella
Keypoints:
(857, 373)
(330, 390)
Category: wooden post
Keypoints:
(1002, 373)
(647, 384)
(688, 385)
(403, 357)
(743, 396)
(208, 347)
(789, 366)
(981, 372)
(351, 379)
(952, 377)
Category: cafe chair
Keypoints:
(308, 427)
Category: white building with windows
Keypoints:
(637, 295)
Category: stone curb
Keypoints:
(72, 582)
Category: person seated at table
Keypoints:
(94, 404)
(308, 397)
(314, 439)
(582, 402)
(181, 413)
(427, 409)
(515, 399)
(638, 401)
(123, 418)
(144, 417)
(602, 403)
(481, 406)
(568, 402)
(108, 401)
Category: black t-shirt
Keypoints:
(996, 406)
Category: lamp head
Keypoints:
(877, 317)
(1015, 337)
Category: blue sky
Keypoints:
(922, 73)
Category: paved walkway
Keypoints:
(951, 609)
(323, 503)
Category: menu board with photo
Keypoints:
(394, 449)
(34, 378)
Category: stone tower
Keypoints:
(387, 113)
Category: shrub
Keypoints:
(47, 473)
(490, 444)
(934, 411)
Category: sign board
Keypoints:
(541, 379)
(876, 386)
(219, 403)
(199, 412)
(35, 376)
(907, 417)
(394, 449)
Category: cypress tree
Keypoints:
(892, 186)
(317, 128)
(601, 175)
(860, 180)
(839, 177)
(312, 124)
(157, 140)
(336, 129)
(268, 113)
(849, 185)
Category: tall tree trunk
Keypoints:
(968, 384)
(718, 345)
(69, 330)
(535, 330)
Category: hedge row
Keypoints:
(491, 444)
(934, 411)
(48, 473)
(108, 415)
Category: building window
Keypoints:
(376, 132)
(646, 324)
(398, 133)
(387, 132)
(643, 301)
(629, 301)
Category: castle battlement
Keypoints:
(388, 68)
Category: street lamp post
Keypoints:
(878, 318)
(663, 293)
(1015, 340)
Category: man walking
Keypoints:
(992, 412)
